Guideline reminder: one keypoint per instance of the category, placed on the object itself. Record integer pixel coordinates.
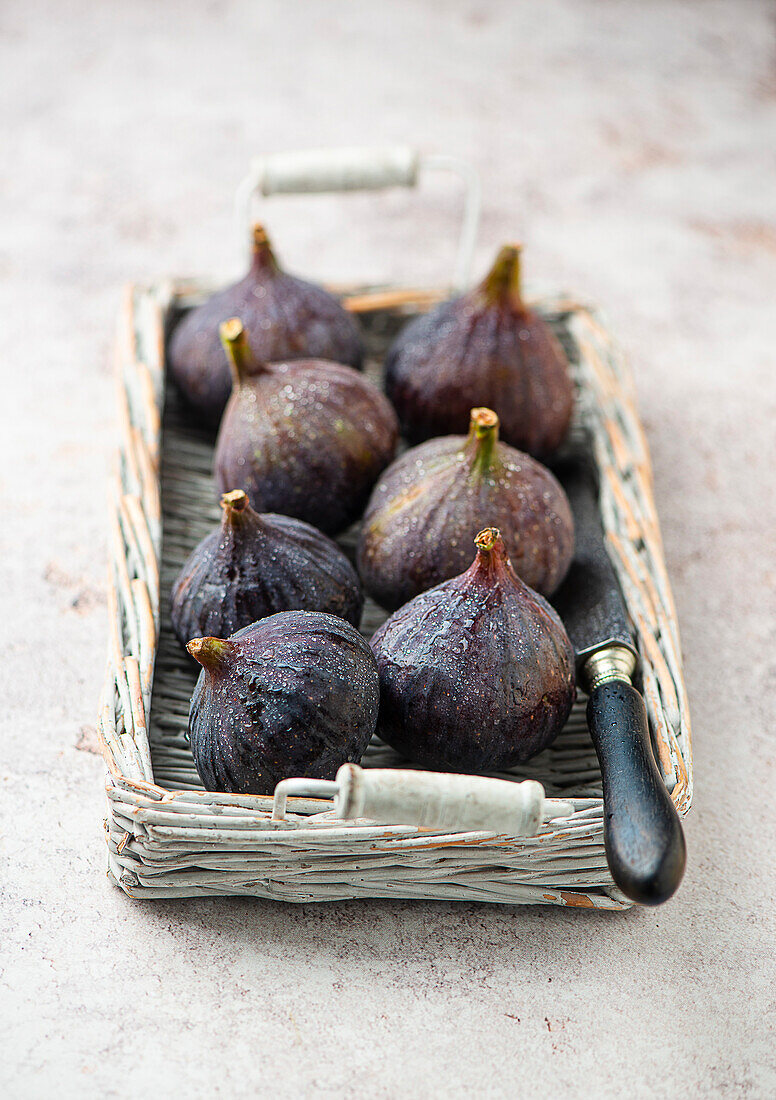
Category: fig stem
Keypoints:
(483, 431)
(488, 540)
(237, 507)
(502, 284)
(212, 653)
(262, 256)
(237, 348)
(492, 558)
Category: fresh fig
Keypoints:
(476, 674)
(255, 565)
(306, 437)
(295, 694)
(486, 347)
(429, 504)
(285, 318)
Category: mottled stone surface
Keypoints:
(633, 148)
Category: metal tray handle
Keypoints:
(369, 168)
(430, 800)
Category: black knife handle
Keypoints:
(643, 836)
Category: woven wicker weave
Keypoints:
(167, 837)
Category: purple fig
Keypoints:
(486, 347)
(285, 318)
(295, 694)
(255, 565)
(430, 503)
(476, 674)
(307, 438)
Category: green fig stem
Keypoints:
(502, 284)
(212, 653)
(237, 508)
(262, 256)
(483, 433)
(238, 350)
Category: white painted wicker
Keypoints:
(167, 837)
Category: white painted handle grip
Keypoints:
(437, 800)
(318, 170)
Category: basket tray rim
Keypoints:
(633, 541)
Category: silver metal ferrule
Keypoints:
(614, 662)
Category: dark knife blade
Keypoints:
(589, 601)
(643, 836)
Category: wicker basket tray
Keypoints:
(167, 837)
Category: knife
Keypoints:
(645, 846)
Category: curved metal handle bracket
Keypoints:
(312, 788)
(360, 169)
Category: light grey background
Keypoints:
(633, 147)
